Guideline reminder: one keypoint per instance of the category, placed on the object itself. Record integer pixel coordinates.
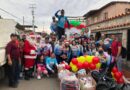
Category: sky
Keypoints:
(45, 9)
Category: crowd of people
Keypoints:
(34, 55)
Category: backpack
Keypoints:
(123, 52)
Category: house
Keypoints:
(113, 18)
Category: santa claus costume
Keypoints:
(29, 56)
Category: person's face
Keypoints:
(85, 43)
(62, 13)
(53, 38)
(82, 33)
(74, 43)
(113, 37)
(12, 37)
(15, 38)
(93, 45)
(66, 44)
(76, 35)
(53, 19)
(41, 58)
(53, 55)
(46, 40)
(60, 42)
(32, 38)
(100, 50)
(21, 43)
(38, 39)
(79, 40)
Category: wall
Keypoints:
(113, 10)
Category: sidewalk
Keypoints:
(126, 69)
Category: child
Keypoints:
(75, 50)
(51, 64)
(41, 69)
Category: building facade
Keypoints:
(113, 18)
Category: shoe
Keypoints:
(38, 77)
(26, 78)
(13, 85)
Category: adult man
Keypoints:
(53, 26)
(61, 23)
(13, 57)
(116, 51)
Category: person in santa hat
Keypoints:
(29, 56)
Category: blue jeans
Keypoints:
(119, 63)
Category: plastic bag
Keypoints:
(69, 83)
(126, 87)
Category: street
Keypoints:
(34, 84)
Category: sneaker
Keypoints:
(38, 77)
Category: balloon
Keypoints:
(114, 70)
(74, 69)
(71, 64)
(74, 61)
(113, 76)
(75, 23)
(95, 60)
(120, 73)
(80, 65)
(67, 67)
(81, 59)
(120, 81)
(98, 65)
(92, 66)
(89, 59)
(86, 65)
(117, 75)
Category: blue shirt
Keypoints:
(61, 20)
(50, 62)
(58, 49)
(53, 26)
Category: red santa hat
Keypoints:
(32, 35)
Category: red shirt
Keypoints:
(114, 47)
(13, 49)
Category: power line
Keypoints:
(11, 14)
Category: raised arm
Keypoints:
(56, 14)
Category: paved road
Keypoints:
(34, 84)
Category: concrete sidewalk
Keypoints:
(34, 84)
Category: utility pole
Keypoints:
(23, 20)
(33, 7)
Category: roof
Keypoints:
(18, 26)
(29, 26)
(96, 10)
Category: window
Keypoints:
(106, 15)
(127, 10)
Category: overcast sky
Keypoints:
(45, 9)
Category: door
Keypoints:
(128, 45)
